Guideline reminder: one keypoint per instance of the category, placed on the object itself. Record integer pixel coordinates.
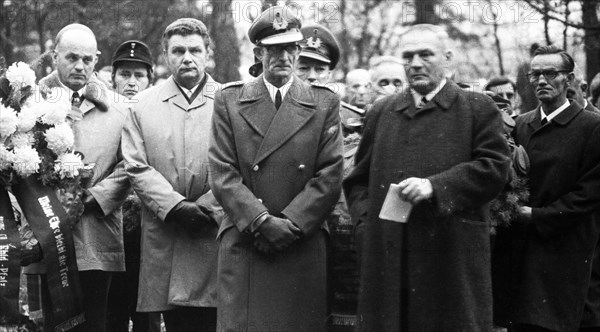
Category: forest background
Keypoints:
(490, 38)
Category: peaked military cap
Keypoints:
(320, 44)
(133, 50)
(276, 25)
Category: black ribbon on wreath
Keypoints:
(49, 222)
(10, 263)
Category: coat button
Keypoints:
(255, 168)
(260, 200)
(301, 167)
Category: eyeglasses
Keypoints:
(549, 74)
(292, 49)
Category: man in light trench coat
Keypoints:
(165, 145)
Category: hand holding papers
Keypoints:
(401, 198)
(395, 208)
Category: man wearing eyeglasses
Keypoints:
(276, 159)
(551, 249)
(442, 148)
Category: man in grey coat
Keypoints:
(165, 145)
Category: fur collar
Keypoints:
(95, 91)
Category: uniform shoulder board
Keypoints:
(352, 108)
(230, 84)
(322, 86)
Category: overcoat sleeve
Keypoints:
(111, 192)
(225, 179)
(152, 188)
(356, 185)
(316, 201)
(469, 185)
(583, 199)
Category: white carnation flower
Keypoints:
(60, 138)
(6, 158)
(27, 119)
(27, 161)
(53, 113)
(8, 121)
(20, 140)
(20, 73)
(68, 165)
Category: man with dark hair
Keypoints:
(276, 153)
(438, 152)
(132, 70)
(97, 124)
(503, 87)
(550, 251)
(165, 144)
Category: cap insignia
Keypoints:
(279, 23)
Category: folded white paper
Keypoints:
(395, 208)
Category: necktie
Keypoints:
(278, 99)
(544, 121)
(76, 100)
(422, 103)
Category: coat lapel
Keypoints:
(257, 110)
(297, 108)
(443, 99)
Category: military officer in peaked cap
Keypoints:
(276, 153)
(132, 68)
(319, 56)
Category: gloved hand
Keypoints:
(90, 205)
(189, 215)
(279, 232)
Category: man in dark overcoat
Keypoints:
(444, 147)
(550, 252)
(276, 158)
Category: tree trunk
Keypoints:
(497, 42)
(592, 38)
(345, 42)
(227, 49)
(425, 12)
(546, 21)
(266, 4)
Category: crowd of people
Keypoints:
(248, 204)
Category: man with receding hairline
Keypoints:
(97, 124)
(438, 151)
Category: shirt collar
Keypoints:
(417, 96)
(555, 112)
(273, 89)
(70, 92)
(191, 91)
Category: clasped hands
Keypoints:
(275, 234)
(189, 215)
(415, 190)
